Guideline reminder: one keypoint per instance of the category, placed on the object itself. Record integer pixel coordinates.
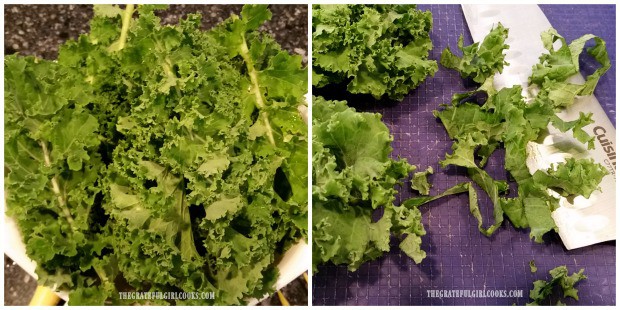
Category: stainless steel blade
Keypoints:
(585, 221)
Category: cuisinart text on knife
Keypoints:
(608, 147)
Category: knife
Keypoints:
(584, 221)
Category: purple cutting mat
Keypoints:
(458, 255)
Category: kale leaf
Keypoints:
(158, 158)
(420, 181)
(559, 278)
(352, 176)
(354, 179)
(380, 50)
(481, 59)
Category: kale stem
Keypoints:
(125, 29)
(56, 188)
(260, 103)
(101, 273)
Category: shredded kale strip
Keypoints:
(507, 120)
(559, 278)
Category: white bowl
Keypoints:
(294, 262)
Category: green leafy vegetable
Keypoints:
(420, 181)
(407, 220)
(533, 267)
(381, 50)
(354, 178)
(158, 158)
(572, 177)
(480, 60)
(507, 119)
(559, 278)
(563, 62)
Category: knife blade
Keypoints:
(584, 221)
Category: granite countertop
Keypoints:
(40, 29)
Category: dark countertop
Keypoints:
(19, 286)
(40, 29)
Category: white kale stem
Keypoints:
(255, 88)
(125, 28)
(101, 273)
(56, 188)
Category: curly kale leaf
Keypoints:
(354, 177)
(420, 181)
(380, 50)
(480, 60)
(559, 278)
(561, 63)
(166, 158)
